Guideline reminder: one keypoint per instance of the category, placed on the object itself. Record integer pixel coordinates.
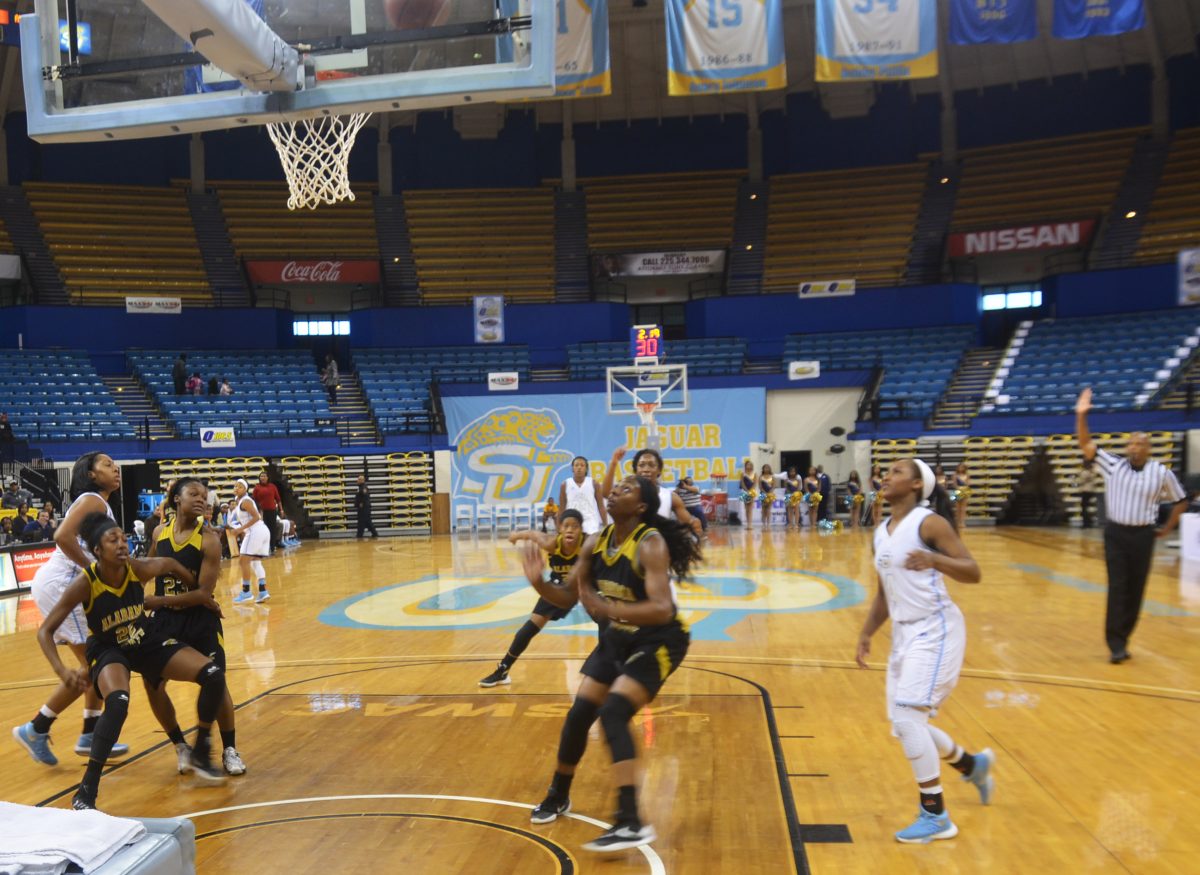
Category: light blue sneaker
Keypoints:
(243, 597)
(83, 747)
(981, 775)
(928, 828)
(263, 595)
(37, 743)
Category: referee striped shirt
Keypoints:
(1132, 497)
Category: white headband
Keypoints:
(928, 481)
(246, 485)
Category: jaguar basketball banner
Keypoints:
(724, 45)
(876, 39)
(519, 450)
(973, 22)
(581, 60)
(313, 272)
(1076, 19)
(1057, 235)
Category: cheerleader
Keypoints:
(812, 495)
(581, 493)
(561, 551)
(766, 488)
(962, 494)
(793, 491)
(256, 542)
(876, 498)
(914, 548)
(855, 498)
(749, 493)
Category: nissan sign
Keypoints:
(1056, 235)
(313, 272)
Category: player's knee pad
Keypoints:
(257, 567)
(919, 748)
(212, 691)
(116, 709)
(615, 715)
(573, 741)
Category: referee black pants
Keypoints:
(1128, 551)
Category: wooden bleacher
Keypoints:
(1062, 178)
(468, 242)
(110, 241)
(1173, 222)
(664, 211)
(842, 224)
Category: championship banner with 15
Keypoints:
(973, 22)
(876, 39)
(724, 45)
(1076, 19)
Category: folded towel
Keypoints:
(47, 837)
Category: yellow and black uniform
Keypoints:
(119, 629)
(196, 626)
(647, 654)
(561, 564)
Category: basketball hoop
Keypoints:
(645, 411)
(315, 154)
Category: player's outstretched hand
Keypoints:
(619, 453)
(531, 561)
(863, 651)
(919, 560)
(1084, 403)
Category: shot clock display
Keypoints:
(645, 343)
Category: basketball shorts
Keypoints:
(926, 658)
(147, 659)
(198, 628)
(257, 540)
(47, 589)
(648, 656)
(549, 610)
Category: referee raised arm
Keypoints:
(1133, 487)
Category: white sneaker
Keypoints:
(232, 761)
(184, 755)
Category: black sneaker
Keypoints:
(550, 809)
(496, 678)
(84, 799)
(622, 837)
(202, 769)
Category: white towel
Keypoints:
(48, 837)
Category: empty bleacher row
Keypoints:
(58, 396)
(918, 363)
(1116, 355)
(1173, 221)
(276, 393)
(710, 356)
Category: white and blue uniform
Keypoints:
(665, 509)
(256, 541)
(582, 497)
(53, 578)
(929, 634)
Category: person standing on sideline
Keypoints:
(825, 487)
(246, 522)
(581, 493)
(689, 494)
(914, 548)
(1088, 481)
(1132, 487)
(329, 378)
(266, 496)
(362, 507)
(179, 374)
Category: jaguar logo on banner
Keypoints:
(509, 455)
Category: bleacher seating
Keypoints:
(1067, 461)
(396, 381)
(710, 356)
(470, 242)
(1115, 355)
(842, 224)
(261, 226)
(276, 393)
(110, 241)
(918, 363)
(1063, 178)
(657, 212)
(6, 244)
(1173, 221)
(58, 396)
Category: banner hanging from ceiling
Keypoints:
(1076, 19)
(975, 22)
(724, 45)
(876, 39)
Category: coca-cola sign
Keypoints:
(307, 272)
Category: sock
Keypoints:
(627, 811)
(43, 719)
(931, 800)
(560, 785)
(245, 586)
(520, 641)
(262, 584)
(965, 763)
(89, 720)
(228, 738)
(176, 735)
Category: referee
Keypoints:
(1133, 486)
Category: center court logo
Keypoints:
(508, 455)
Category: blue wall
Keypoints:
(1102, 292)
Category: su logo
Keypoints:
(508, 455)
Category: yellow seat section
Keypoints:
(842, 224)
(1173, 221)
(468, 242)
(109, 241)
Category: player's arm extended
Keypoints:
(210, 569)
(543, 539)
(75, 594)
(877, 615)
(148, 569)
(659, 606)
(610, 476)
(682, 515)
(67, 535)
(952, 557)
(560, 596)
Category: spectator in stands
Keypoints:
(6, 432)
(689, 494)
(226, 389)
(37, 530)
(214, 387)
(329, 378)
(1088, 482)
(48, 509)
(266, 496)
(550, 514)
(15, 496)
(179, 374)
(21, 520)
(362, 507)
(6, 531)
(213, 500)
(825, 510)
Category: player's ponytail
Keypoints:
(681, 543)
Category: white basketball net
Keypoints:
(315, 154)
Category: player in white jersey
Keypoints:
(648, 463)
(247, 523)
(94, 477)
(914, 548)
(581, 493)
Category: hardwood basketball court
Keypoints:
(369, 744)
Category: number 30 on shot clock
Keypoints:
(645, 342)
